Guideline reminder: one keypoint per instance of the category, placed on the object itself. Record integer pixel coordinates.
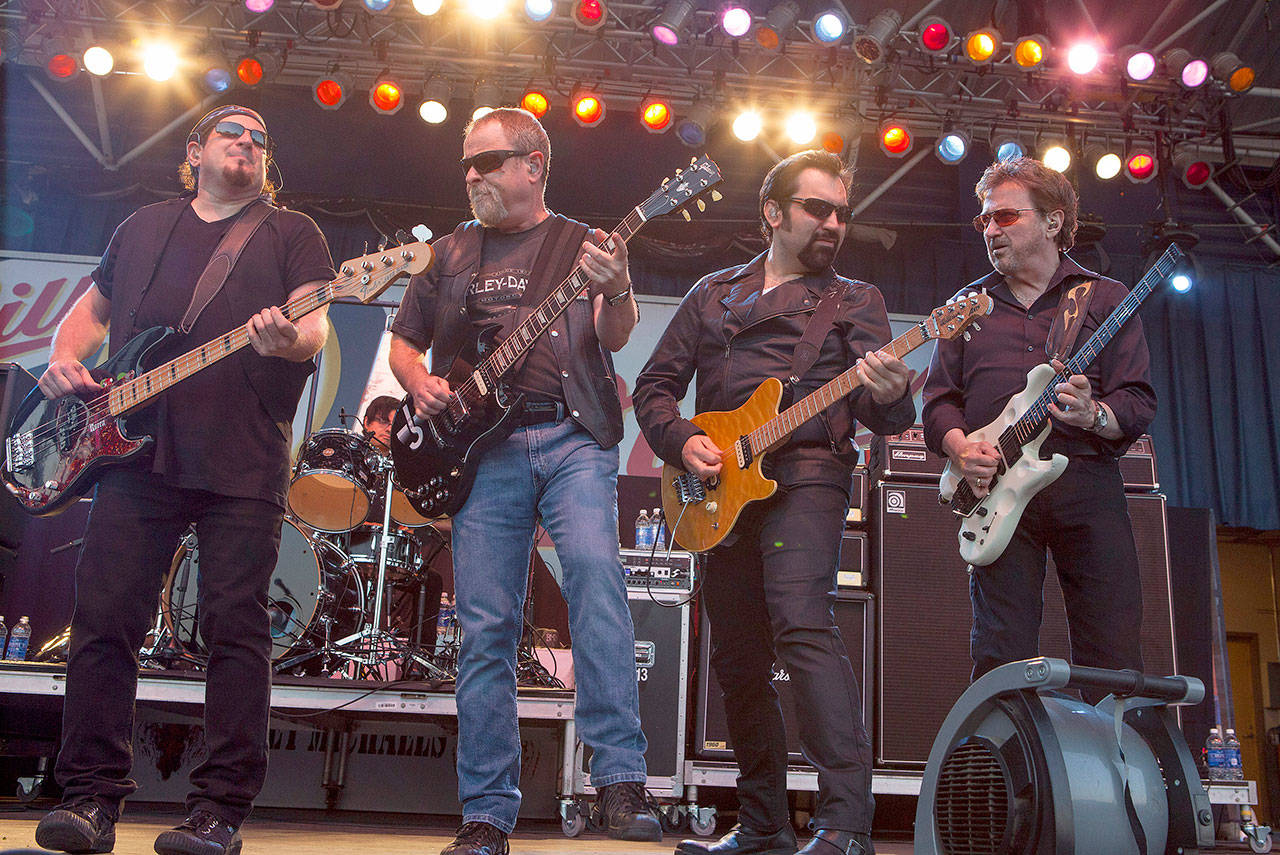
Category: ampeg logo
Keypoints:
(895, 501)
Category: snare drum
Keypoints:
(364, 546)
(334, 482)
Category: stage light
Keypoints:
(378, 5)
(1029, 52)
(98, 61)
(844, 135)
(385, 96)
(255, 68)
(831, 24)
(1186, 69)
(488, 98)
(980, 46)
(59, 62)
(1141, 165)
(540, 10)
(748, 125)
(735, 20)
(801, 128)
(872, 44)
(691, 128)
(326, 5)
(655, 115)
(436, 94)
(1194, 171)
(1106, 163)
(216, 74)
(536, 101)
(1083, 58)
(952, 146)
(589, 14)
(666, 29)
(936, 35)
(1057, 157)
(257, 7)
(1181, 282)
(331, 90)
(159, 61)
(486, 10)
(1006, 145)
(1228, 68)
(1138, 64)
(587, 106)
(427, 8)
(895, 139)
(778, 23)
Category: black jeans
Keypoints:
(130, 541)
(1083, 519)
(771, 593)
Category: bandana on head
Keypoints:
(215, 115)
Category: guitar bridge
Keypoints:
(20, 452)
(689, 488)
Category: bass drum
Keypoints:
(313, 585)
(335, 481)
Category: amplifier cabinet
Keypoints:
(663, 634)
(855, 561)
(1138, 466)
(856, 619)
(859, 500)
(922, 593)
(903, 457)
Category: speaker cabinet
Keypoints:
(922, 590)
(855, 618)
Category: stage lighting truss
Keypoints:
(895, 138)
(831, 23)
(332, 90)
(1030, 52)
(1237, 76)
(586, 105)
(1140, 163)
(953, 146)
(778, 24)
(872, 44)
(656, 115)
(982, 45)
(386, 95)
(1194, 170)
(436, 94)
(936, 36)
(590, 15)
(670, 24)
(691, 128)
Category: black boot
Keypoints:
(81, 826)
(744, 841)
(478, 838)
(828, 841)
(202, 833)
(626, 812)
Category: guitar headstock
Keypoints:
(687, 185)
(369, 275)
(958, 315)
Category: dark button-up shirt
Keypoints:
(970, 382)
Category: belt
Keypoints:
(538, 412)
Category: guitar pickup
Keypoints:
(20, 452)
(689, 488)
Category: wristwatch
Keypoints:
(619, 298)
(1099, 418)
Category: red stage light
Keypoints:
(249, 71)
(1140, 167)
(589, 14)
(535, 101)
(386, 96)
(588, 109)
(833, 142)
(329, 93)
(62, 66)
(655, 115)
(895, 139)
(1194, 172)
(935, 35)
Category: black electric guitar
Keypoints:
(54, 450)
(435, 458)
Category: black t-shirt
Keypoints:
(500, 286)
(212, 430)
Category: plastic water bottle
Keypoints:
(658, 524)
(1234, 764)
(444, 618)
(1215, 754)
(642, 530)
(19, 638)
(4, 636)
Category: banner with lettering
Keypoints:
(36, 291)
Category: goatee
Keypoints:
(816, 256)
(486, 204)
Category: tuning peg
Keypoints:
(692, 161)
(383, 240)
(686, 216)
(366, 248)
(702, 206)
(975, 326)
(403, 237)
(966, 335)
(715, 196)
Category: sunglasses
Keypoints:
(1004, 217)
(234, 130)
(487, 161)
(820, 209)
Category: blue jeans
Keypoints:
(556, 472)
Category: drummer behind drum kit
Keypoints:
(352, 593)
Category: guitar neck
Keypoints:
(522, 338)
(1032, 422)
(776, 430)
(142, 389)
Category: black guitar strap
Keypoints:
(815, 332)
(557, 254)
(224, 259)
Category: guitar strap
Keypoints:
(558, 253)
(1073, 308)
(815, 332)
(224, 258)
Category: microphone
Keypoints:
(342, 416)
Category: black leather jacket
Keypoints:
(714, 335)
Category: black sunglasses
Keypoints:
(487, 161)
(1004, 217)
(821, 209)
(234, 130)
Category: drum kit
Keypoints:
(353, 592)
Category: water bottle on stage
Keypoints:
(1233, 763)
(19, 638)
(1215, 754)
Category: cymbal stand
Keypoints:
(372, 645)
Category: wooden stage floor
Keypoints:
(270, 834)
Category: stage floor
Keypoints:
(410, 836)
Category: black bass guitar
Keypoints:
(54, 450)
(435, 458)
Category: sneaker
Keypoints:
(80, 826)
(201, 834)
(477, 838)
(626, 812)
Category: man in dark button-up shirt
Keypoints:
(1028, 222)
(769, 589)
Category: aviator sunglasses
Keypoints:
(821, 209)
(235, 129)
(1004, 217)
(487, 161)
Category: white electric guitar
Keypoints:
(988, 523)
